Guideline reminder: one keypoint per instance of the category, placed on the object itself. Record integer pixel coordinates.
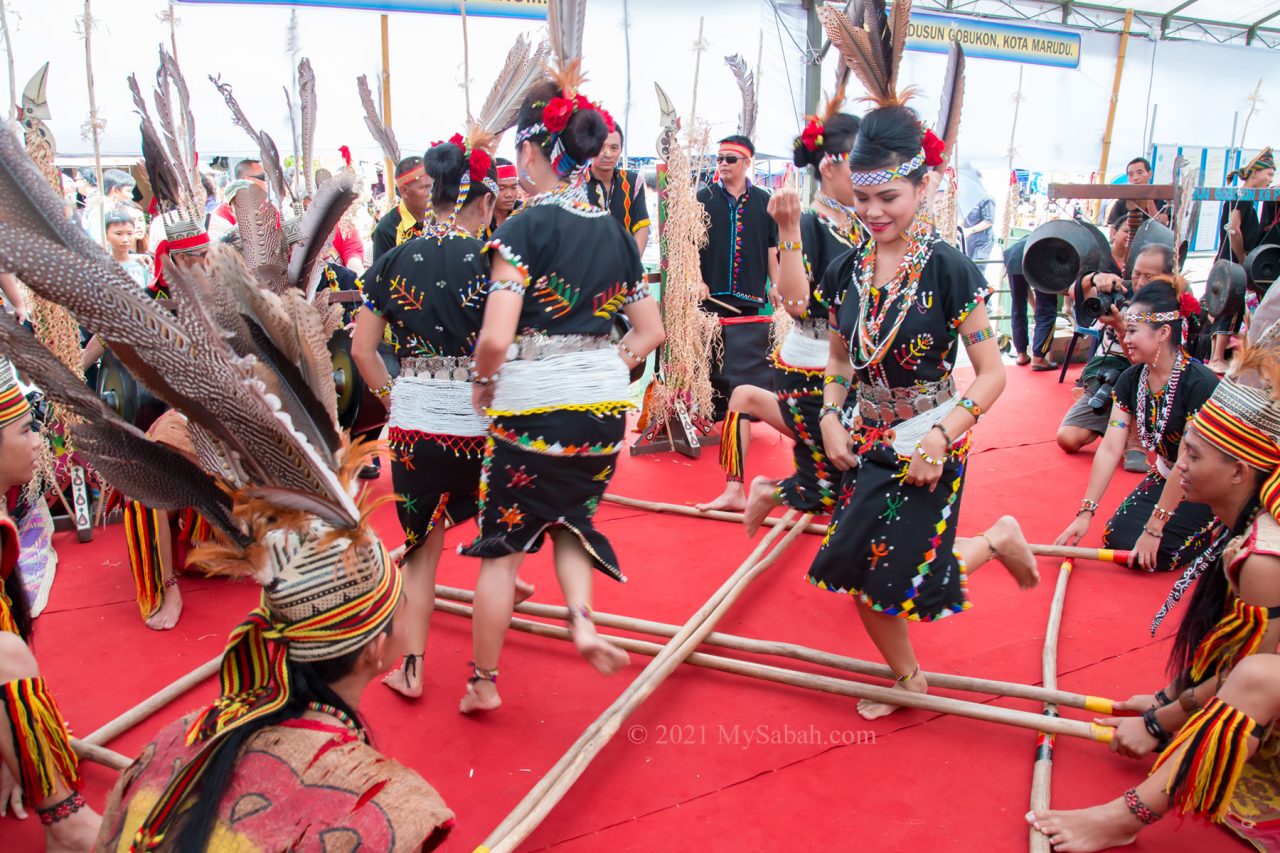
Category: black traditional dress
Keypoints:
(624, 199)
(800, 364)
(558, 405)
(1161, 419)
(431, 290)
(890, 544)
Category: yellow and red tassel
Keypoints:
(731, 447)
(44, 752)
(1235, 637)
(1206, 760)
(141, 535)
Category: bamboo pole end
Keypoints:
(1102, 734)
(1098, 705)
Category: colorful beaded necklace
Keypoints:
(571, 196)
(851, 230)
(1151, 426)
(876, 303)
(339, 715)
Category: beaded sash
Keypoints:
(433, 395)
(545, 373)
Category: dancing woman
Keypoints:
(562, 269)
(1161, 391)
(430, 292)
(905, 301)
(1211, 717)
(808, 243)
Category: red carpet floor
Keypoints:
(682, 774)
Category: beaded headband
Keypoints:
(841, 157)
(884, 176)
(1153, 317)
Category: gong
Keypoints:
(1262, 267)
(1224, 295)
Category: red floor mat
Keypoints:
(682, 774)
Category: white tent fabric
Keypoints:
(1197, 89)
(246, 45)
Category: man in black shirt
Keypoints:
(405, 221)
(508, 199)
(738, 262)
(1139, 172)
(620, 191)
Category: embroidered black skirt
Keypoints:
(812, 488)
(436, 479)
(1182, 537)
(546, 471)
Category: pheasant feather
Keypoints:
(382, 134)
(747, 83)
(523, 68)
(951, 101)
(307, 101)
(238, 118)
(317, 226)
(860, 52)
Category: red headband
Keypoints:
(411, 175)
(188, 244)
(507, 173)
(735, 148)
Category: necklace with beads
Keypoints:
(339, 715)
(571, 196)
(1151, 427)
(875, 304)
(851, 230)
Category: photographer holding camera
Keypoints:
(1159, 393)
(1100, 298)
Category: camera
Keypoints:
(1100, 399)
(1100, 304)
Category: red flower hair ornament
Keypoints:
(811, 137)
(555, 115)
(933, 147)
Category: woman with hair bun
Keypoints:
(1161, 391)
(808, 243)
(548, 374)
(430, 291)
(892, 417)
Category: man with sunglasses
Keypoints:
(738, 262)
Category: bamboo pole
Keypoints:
(698, 47)
(715, 514)
(392, 189)
(1011, 689)
(535, 806)
(100, 755)
(1115, 96)
(824, 684)
(1042, 769)
(153, 703)
(93, 117)
(1066, 552)
(8, 49)
(466, 59)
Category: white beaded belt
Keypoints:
(802, 347)
(421, 402)
(912, 411)
(560, 372)
(438, 367)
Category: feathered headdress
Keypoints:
(747, 83)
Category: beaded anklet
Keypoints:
(61, 810)
(902, 680)
(1139, 809)
(481, 674)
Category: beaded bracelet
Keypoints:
(971, 407)
(483, 380)
(629, 352)
(831, 409)
(937, 463)
(516, 287)
(1115, 423)
(795, 303)
(1087, 505)
(789, 246)
(1162, 513)
(833, 379)
(978, 337)
(1146, 528)
(384, 390)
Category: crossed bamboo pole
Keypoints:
(1104, 555)
(1042, 770)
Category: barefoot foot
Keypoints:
(406, 679)
(732, 499)
(1086, 830)
(524, 590)
(1011, 549)
(599, 652)
(482, 695)
(759, 503)
(166, 618)
(872, 710)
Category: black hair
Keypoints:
(1168, 258)
(19, 606)
(407, 164)
(242, 168)
(886, 138)
(1143, 160)
(117, 216)
(838, 133)
(581, 139)
(617, 128)
(1160, 297)
(738, 139)
(502, 161)
(1208, 601)
(310, 683)
(446, 163)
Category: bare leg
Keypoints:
(166, 617)
(419, 600)
(1003, 541)
(574, 571)
(1074, 439)
(760, 503)
(1252, 687)
(1218, 360)
(78, 831)
(490, 619)
(889, 633)
(760, 404)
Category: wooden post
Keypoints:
(93, 114)
(1115, 96)
(386, 111)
